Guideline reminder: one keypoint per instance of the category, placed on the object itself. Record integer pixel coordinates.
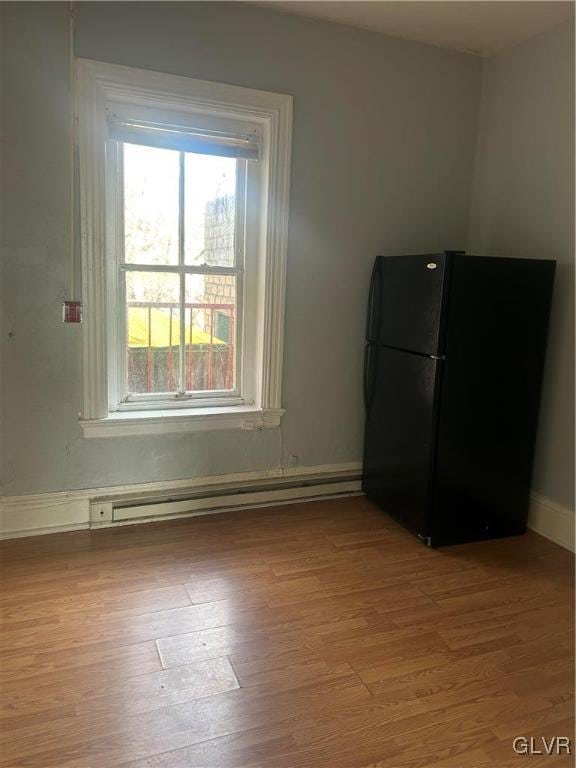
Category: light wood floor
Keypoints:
(307, 636)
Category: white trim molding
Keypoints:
(41, 513)
(58, 512)
(552, 520)
(63, 511)
(130, 423)
(102, 87)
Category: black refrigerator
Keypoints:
(453, 362)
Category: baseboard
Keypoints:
(38, 514)
(44, 513)
(552, 520)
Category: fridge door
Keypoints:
(495, 350)
(400, 390)
(405, 302)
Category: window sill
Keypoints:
(160, 422)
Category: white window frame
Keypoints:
(102, 87)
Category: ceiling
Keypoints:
(481, 27)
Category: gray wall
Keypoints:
(523, 205)
(384, 142)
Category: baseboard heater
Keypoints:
(208, 501)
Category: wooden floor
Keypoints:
(307, 636)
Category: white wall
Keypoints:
(384, 143)
(523, 205)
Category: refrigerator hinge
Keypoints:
(437, 357)
(426, 539)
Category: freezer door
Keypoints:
(399, 437)
(405, 302)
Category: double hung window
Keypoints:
(178, 263)
(184, 188)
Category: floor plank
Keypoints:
(305, 636)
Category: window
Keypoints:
(184, 197)
(180, 272)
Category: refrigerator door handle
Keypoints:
(367, 376)
(373, 322)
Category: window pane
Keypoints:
(210, 355)
(209, 210)
(151, 178)
(152, 331)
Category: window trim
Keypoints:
(101, 85)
